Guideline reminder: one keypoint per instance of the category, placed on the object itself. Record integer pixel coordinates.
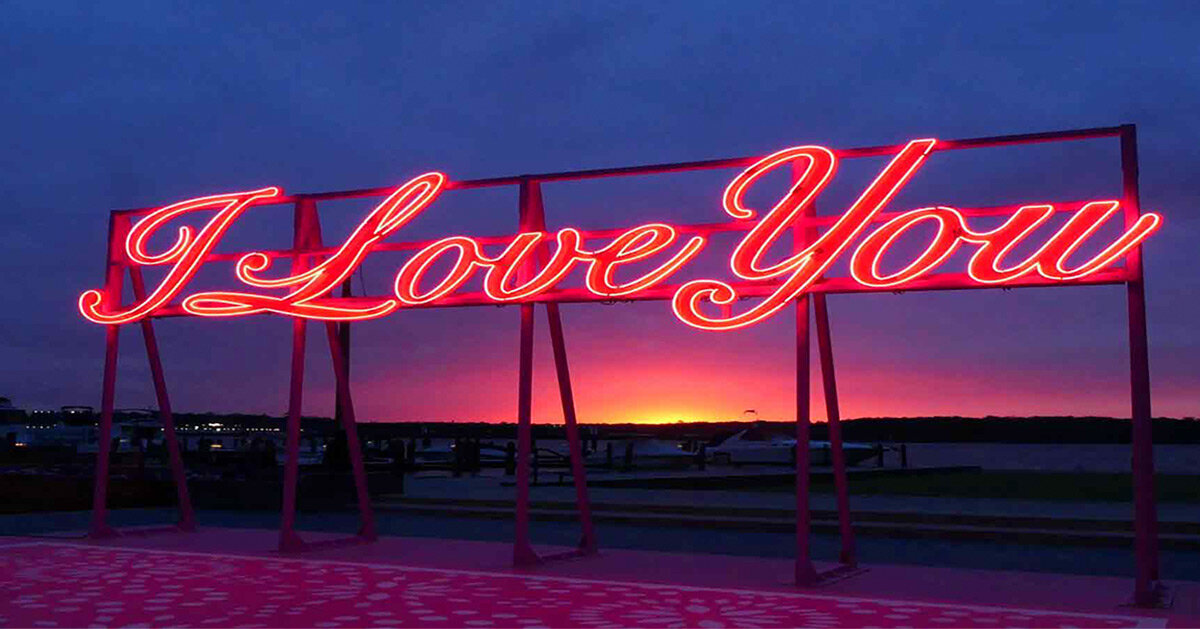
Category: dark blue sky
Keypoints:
(119, 105)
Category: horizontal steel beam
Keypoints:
(838, 285)
(712, 164)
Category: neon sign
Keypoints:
(505, 279)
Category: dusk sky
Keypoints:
(118, 105)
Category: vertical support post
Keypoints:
(343, 334)
(113, 278)
(834, 417)
(805, 572)
(1145, 518)
(288, 538)
(523, 553)
(536, 220)
(187, 517)
(100, 527)
(338, 335)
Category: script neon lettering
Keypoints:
(512, 276)
(395, 211)
(634, 245)
(807, 265)
(187, 253)
(864, 264)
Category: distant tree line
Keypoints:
(991, 429)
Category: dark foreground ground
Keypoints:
(996, 555)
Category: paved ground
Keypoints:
(146, 581)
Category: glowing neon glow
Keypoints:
(637, 244)
(864, 264)
(512, 276)
(395, 211)
(187, 253)
(807, 265)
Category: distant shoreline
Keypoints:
(947, 429)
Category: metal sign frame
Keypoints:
(308, 249)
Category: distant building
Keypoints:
(10, 414)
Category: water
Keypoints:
(1049, 457)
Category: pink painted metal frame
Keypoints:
(307, 247)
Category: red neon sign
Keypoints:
(308, 291)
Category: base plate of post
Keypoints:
(1161, 597)
(527, 557)
(293, 543)
(104, 531)
(812, 578)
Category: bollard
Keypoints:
(879, 453)
(700, 452)
(533, 453)
(459, 458)
(628, 455)
(608, 458)
(903, 455)
(399, 456)
(510, 459)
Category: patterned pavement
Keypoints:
(49, 584)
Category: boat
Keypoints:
(759, 446)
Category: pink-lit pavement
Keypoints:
(233, 577)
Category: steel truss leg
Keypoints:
(833, 413)
(308, 235)
(100, 527)
(806, 573)
(187, 517)
(523, 553)
(587, 543)
(114, 282)
(114, 276)
(532, 218)
(341, 371)
(1145, 517)
(289, 540)
(1148, 591)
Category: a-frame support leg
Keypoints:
(114, 284)
(532, 218)
(100, 528)
(805, 572)
(523, 553)
(113, 281)
(366, 529)
(187, 517)
(289, 539)
(308, 236)
(833, 414)
(587, 543)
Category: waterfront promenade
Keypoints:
(219, 577)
